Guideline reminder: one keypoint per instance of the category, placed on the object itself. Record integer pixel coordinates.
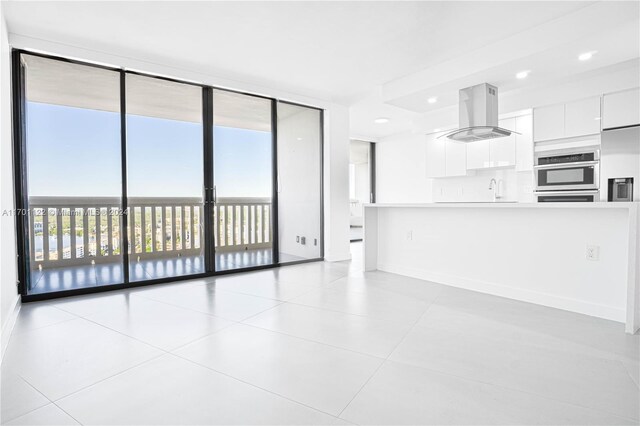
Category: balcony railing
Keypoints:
(79, 230)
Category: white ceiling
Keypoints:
(61, 83)
(380, 58)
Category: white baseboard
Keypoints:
(8, 327)
(544, 299)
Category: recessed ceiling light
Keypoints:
(432, 100)
(522, 74)
(381, 120)
(299, 139)
(586, 55)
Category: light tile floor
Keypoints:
(319, 343)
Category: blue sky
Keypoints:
(76, 152)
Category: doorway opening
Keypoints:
(361, 185)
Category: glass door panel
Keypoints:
(299, 182)
(73, 161)
(165, 178)
(243, 181)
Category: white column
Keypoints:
(336, 183)
(8, 270)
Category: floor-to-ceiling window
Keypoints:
(243, 180)
(129, 178)
(164, 178)
(299, 182)
(73, 157)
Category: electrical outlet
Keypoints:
(315, 241)
(409, 235)
(593, 252)
(303, 240)
(297, 238)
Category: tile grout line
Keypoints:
(468, 379)
(388, 356)
(147, 343)
(624, 367)
(4, 421)
(163, 352)
(489, 383)
(110, 377)
(316, 308)
(311, 341)
(51, 402)
(167, 352)
(67, 413)
(349, 313)
(253, 385)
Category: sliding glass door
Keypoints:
(164, 178)
(128, 178)
(73, 180)
(243, 181)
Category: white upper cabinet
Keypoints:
(478, 155)
(503, 150)
(524, 143)
(582, 117)
(579, 118)
(492, 153)
(548, 122)
(445, 157)
(456, 158)
(436, 156)
(621, 109)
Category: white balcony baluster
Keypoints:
(239, 224)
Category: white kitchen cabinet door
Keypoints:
(478, 155)
(582, 117)
(503, 150)
(621, 109)
(456, 158)
(436, 157)
(548, 122)
(524, 143)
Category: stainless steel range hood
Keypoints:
(478, 115)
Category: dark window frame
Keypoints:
(21, 187)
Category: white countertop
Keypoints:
(511, 205)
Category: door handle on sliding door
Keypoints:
(210, 195)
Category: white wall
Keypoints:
(299, 182)
(362, 182)
(8, 273)
(401, 170)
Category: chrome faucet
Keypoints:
(493, 186)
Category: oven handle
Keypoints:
(567, 192)
(567, 165)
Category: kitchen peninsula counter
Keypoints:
(580, 257)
